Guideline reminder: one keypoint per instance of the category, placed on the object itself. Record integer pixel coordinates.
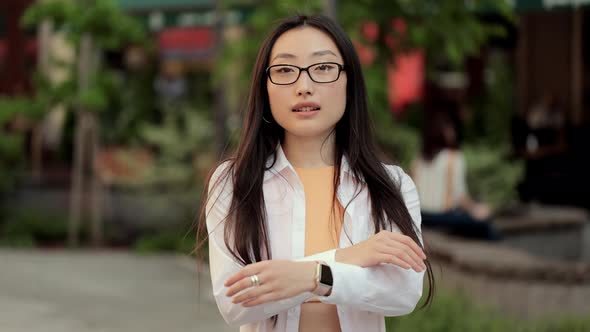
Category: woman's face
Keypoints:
(306, 108)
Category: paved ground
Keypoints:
(61, 291)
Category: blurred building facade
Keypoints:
(553, 100)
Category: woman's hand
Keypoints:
(481, 211)
(278, 279)
(384, 247)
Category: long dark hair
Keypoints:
(440, 117)
(353, 138)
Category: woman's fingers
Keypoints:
(264, 298)
(246, 272)
(252, 293)
(409, 256)
(404, 254)
(239, 286)
(243, 273)
(391, 259)
(410, 243)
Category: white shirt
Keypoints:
(363, 295)
(437, 191)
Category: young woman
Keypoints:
(308, 230)
(440, 175)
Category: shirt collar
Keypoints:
(281, 163)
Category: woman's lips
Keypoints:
(307, 113)
(306, 109)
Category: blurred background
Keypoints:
(113, 112)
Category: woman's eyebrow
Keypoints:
(284, 56)
(314, 54)
(324, 52)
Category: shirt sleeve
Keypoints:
(386, 289)
(223, 265)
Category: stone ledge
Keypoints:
(536, 218)
(493, 259)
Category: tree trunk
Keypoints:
(96, 188)
(77, 181)
(83, 125)
(44, 35)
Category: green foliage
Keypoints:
(13, 106)
(490, 176)
(444, 29)
(12, 143)
(102, 19)
(399, 141)
(11, 146)
(102, 89)
(183, 141)
(450, 312)
(492, 112)
(109, 29)
(454, 312)
(132, 104)
(18, 241)
(568, 324)
(166, 240)
(60, 12)
(28, 228)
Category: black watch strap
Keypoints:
(326, 277)
(325, 280)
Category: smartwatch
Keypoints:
(324, 280)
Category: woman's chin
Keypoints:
(309, 131)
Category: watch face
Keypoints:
(326, 275)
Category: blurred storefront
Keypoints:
(185, 29)
(554, 40)
(553, 99)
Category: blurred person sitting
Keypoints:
(546, 128)
(539, 137)
(440, 176)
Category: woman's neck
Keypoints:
(309, 152)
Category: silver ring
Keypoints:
(254, 281)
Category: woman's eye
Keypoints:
(284, 70)
(324, 67)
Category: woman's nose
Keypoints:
(304, 84)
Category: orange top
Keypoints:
(323, 215)
(323, 223)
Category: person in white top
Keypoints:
(440, 175)
(307, 108)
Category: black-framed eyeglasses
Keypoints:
(323, 72)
